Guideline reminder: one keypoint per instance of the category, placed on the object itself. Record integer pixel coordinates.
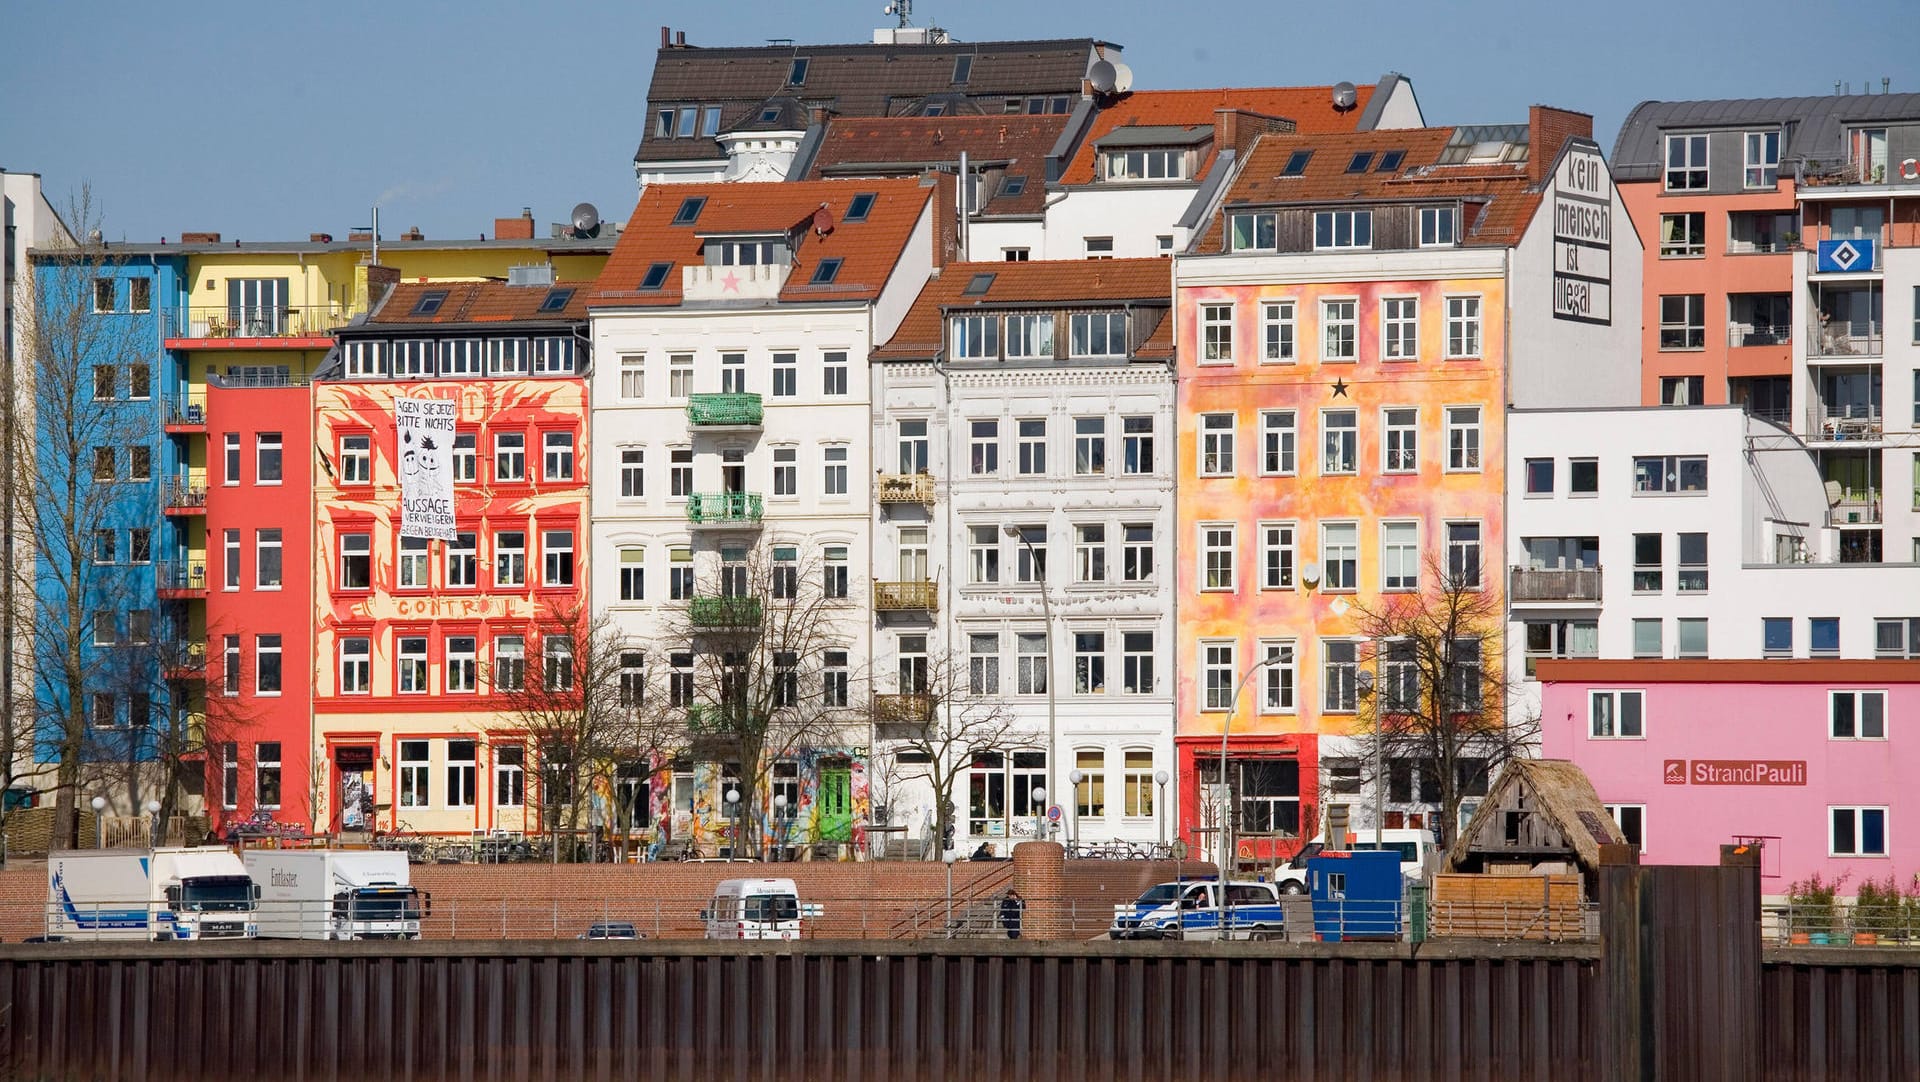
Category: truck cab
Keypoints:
(209, 907)
(1199, 909)
(756, 909)
(175, 893)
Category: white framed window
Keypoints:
(786, 471)
(1686, 163)
(230, 665)
(1339, 676)
(983, 664)
(833, 559)
(465, 460)
(1340, 556)
(1217, 556)
(1099, 247)
(1216, 444)
(412, 564)
(1089, 446)
(1436, 227)
(911, 443)
(633, 473)
(1218, 673)
(1400, 328)
(1339, 330)
(1400, 555)
(1400, 445)
(506, 356)
(1097, 334)
(1463, 327)
(1145, 164)
(554, 355)
(1090, 552)
(834, 471)
(833, 373)
(356, 460)
(975, 337)
(267, 669)
(462, 558)
(983, 554)
(1136, 662)
(1254, 232)
(556, 661)
(510, 558)
(1136, 436)
(1632, 821)
(1277, 332)
(356, 561)
(416, 788)
(1216, 334)
(633, 573)
(1857, 832)
(460, 357)
(633, 376)
(266, 774)
(557, 464)
(983, 447)
(1278, 678)
(509, 663)
(509, 776)
(1277, 439)
(267, 461)
(1616, 715)
(462, 766)
(1032, 446)
(1136, 553)
(1089, 663)
(230, 556)
(1763, 159)
(410, 664)
(1030, 558)
(733, 373)
(1463, 439)
(556, 552)
(1340, 442)
(413, 358)
(679, 376)
(230, 776)
(267, 551)
(463, 662)
(1030, 336)
(1666, 474)
(1276, 555)
(509, 457)
(366, 360)
(231, 461)
(1334, 229)
(1030, 649)
(679, 472)
(1463, 555)
(1857, 715)
(1137, 781)
(786, 375)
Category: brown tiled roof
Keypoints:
(482, 302)
(855, 80)
(855, 146)
(1064, 282)
(1506, 198)
(867, 249)
(1309, 107)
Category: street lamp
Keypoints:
(1233, 705)
(949, 857)
(1076, 776)
(733, 813)
(153, 822)
(1046, 614)
(1039, 810)
(1364, 680)
(779, 823)
(99, 822)
(1160, 778)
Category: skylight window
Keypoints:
(1360, 161)
(1297, 163)
(962, 67)
(556, 300)
(797, 75)
(656, 277)
(861, 206)
(1390, 161)
(768, 116)
(689, 211)
(1014, 185)
(429, 302)
(937, 108)
(825, 272)
(978, 286)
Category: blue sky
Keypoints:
(274, 121)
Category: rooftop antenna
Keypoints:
(901, 9)
(374, 229)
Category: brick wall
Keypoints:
(1548, 129)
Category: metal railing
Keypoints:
(909, 708)
(729, 409)
(1749, 334)
(914, 488)
(256, 377)
(1842, 423)
(724, 612)
(725, 508)
(1761, 245)
(1844, 340)
(187, 410)
(183, 493)
(1554, 584)
(255, 321)
(1894, 924)
(181, 575)
(915, 596)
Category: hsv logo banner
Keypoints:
(425, 449)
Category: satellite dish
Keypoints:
(1122, 78)
(586, 220)
(1344, 95)
(1310, 573)
(1101, 76)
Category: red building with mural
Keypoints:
(422, 646)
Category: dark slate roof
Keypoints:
(856, 80)
(1155, 135)
(907, 146)
(1816, 127)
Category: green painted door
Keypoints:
(836, 803)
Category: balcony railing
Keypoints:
(1843, 423)
(723, 509)
(187, 411)
(185, 495)
(187, 577)
(189, 663)
(1852, 506)
(907, 709)
(1554, 584)
(905, 488)
(914, 596)
(732, 410)
(717, 720)
(1860, 265)
(1747, 334)
(1844, 340)
(256, 321)
(1760, 245)
(260, 376)
(724, 612)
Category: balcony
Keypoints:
(183, 497)
(734, 283)
(1557, 585)
(724, 411)
(716, 720)
(1844, 255)
(913, 709)
(912, 488)
(254, 327)
(725, 510)
(916, 596)
(1843, 338)
(1740, 335)
(182, 581)
(1843, 423)
(189, 665)
(723, 613)
(186, 414)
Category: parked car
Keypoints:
(612, 929)
(1198, 909)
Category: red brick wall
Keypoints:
(1548, 129)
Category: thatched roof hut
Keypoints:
(1540, 810)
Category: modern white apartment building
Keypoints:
(731, 419)
(1023, 432)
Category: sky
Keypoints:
(270, 122)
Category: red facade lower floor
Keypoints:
(1277, 781)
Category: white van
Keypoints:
(1412, 843)
(756, 909)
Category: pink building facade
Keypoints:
(1813, 756)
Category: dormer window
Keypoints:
(976, 337)
(745, 251)
(1436, 227)
(962, 67)
(1145, 165)
(768, 116)
(1097, 334)
(1253, 232)
(1343, 229)
(1013, 185)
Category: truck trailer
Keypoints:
(190, 893)
(335, 894)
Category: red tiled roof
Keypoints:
(1506, 197)
(1309, 107)
(481, 302)
(852, 143)
(1065, 282)
(867, 249)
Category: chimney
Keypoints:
(413, 234)
(1548, 129)
(360, 236)
(520, 228)
(666, 37)
(320, 238)
(1226, 128)
(679, 39)
(199, 238)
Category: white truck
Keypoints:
(193, 893)
(335, 894)
(1414, 844)
(757, 909)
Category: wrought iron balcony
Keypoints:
(724, 612)
(907, 709)
(255, 321)
(189, 664)
(914, 488)
(1564, 584)
(738, 510)
(186, 579)
(716, 720)
(187, 413)
(730, 410)
(916, 596)
(185, 497)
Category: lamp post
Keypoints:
(1365, 680)
(153, 822)
(1076, 776)
(1161, 778)
(779, 823)
(1226, 726)
(949, 857)
(733, 813)
(1039, 810)
(1046, 614)
(99, 822)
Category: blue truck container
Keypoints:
(1356, 895)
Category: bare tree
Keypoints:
(1440, 698)
(84, 466)
(931, 734)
